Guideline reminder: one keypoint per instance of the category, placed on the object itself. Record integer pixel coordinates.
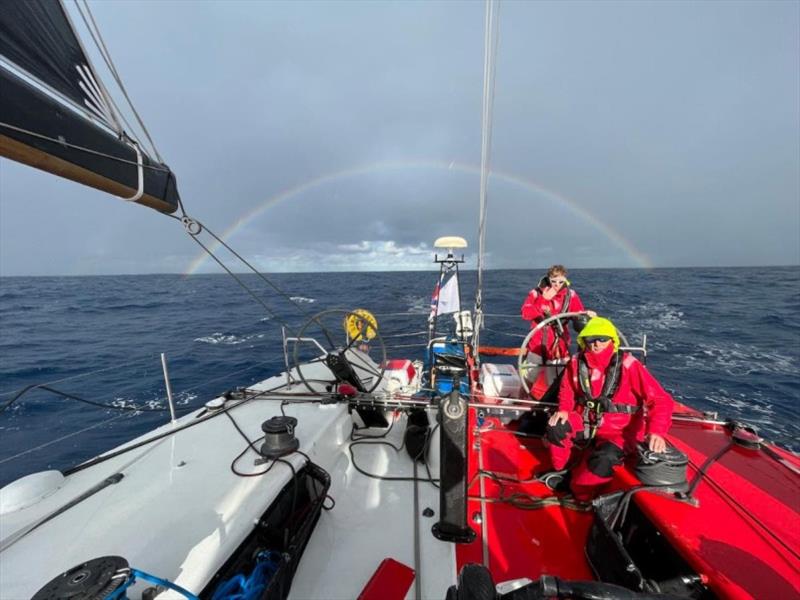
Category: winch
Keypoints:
(279, 437)
(104, 578)
(664, 469)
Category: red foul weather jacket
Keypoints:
(637, 387)
(547, 342)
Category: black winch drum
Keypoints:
(96, 578)
(662, 469)
(279, 437)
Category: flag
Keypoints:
(445, 298)
(435, 299)
(449, 302)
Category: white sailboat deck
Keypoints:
(179, 511)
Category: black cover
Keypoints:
(284, 528)
(625, 548)
(454, 419)
(36, 36)
(605, 550)
(110, 165)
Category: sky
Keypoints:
(320, 136)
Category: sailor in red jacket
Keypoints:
(610, 398)
(549, 345)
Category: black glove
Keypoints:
(580, 322)
(557, 433)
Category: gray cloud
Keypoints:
(670, 128)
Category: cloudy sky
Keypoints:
(346, 136)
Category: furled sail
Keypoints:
(55, 114)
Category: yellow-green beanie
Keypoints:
(599, 326)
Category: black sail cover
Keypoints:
(37, 39)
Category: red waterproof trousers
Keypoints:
(617, 432)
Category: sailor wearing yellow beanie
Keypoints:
(608, 398)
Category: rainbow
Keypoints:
(641, 259)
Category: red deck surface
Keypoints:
(744, 535)
(522, 543)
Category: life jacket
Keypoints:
(596, 406)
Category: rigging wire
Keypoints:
(103, 99)
(491, 36)
(201, 418)
(79, 375)
(101, 46)
(226, 376)
(80, 148)
(193, 227)
(40, 386)
(255, 296)
(64, 437)
(122, 132)
(261, 276)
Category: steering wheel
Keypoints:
(522, 365)
(348, 336)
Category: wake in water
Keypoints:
(229, 339)
(737, 360)
(654, 316)
(417, 305)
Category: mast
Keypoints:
(489, 61)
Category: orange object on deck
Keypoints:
(498, 351)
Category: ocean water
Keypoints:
(725, 340)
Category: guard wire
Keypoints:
(64, 437)
(201, 418)
(42, 386)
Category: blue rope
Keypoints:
(119, 592)
(252, 587)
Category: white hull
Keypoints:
(180, 512)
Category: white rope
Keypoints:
(491, 35)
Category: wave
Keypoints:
(740, 360)
(755, 409)
(418, 305)
(228, 339)
(181, 399)
(655, 315)
(302, 299)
